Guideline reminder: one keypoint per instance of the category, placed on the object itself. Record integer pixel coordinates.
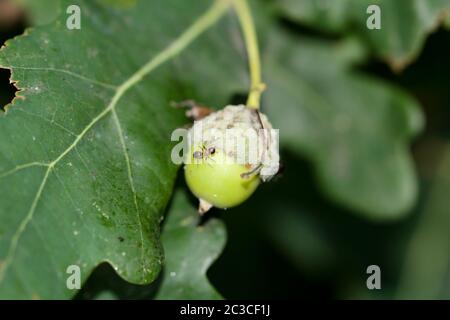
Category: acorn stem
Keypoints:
(251, 41)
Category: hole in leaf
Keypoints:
(7, 90)
(12, 23)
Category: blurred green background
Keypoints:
(293, 239)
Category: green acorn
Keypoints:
(230, 152)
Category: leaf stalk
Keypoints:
(257, 87)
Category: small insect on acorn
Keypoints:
(230, 152)
(206, 152)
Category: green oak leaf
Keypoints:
(405, 24)
(425, 269)
(354, 129)
(85, 165)
(190, 250)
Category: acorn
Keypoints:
(231, 151)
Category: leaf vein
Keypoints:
(70, 73)
(23, 166)
(132, 187)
